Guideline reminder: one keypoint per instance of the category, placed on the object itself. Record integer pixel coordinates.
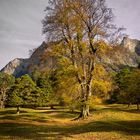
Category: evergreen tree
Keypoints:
(24, 93)
(128, 82)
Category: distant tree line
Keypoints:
(60, 88)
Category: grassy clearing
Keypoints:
(111, 122)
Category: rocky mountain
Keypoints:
(127, 55)
(132, 44)
(16, 67)
(39, 60)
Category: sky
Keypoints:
(21, 28)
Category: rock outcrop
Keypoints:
(40, 60)
(132, 44)
(16, 67)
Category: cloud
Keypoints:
(20, 24)
(127, 14)
(20, 28)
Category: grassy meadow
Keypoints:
(106, 122)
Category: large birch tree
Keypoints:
(78, 27)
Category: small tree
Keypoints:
(102, 83)
(6, 81)
(129, 82)
(15, 100)
(24, 93)
(44, 84)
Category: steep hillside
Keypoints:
(118, 58)
(16, 67)
(127, 55)
(41, 59)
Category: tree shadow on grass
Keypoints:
(11, 112)
(130, 111)
(28, 131)
(47, 115)
(116, 108)
(25, 118)
(7, 112)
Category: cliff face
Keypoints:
(16, 67)
(132, 44)
(119, 58)
(40, 60)
(125, 56)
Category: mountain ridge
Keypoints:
(127, 55)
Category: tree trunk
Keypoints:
(2, 105)
(52, 106)
(85, 102)
(2, 99)
(72, 110)
(18, 109)
(129, 105)
(84, 111)
(138, 106)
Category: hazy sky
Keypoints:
(20, 24)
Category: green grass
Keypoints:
(107, 122)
